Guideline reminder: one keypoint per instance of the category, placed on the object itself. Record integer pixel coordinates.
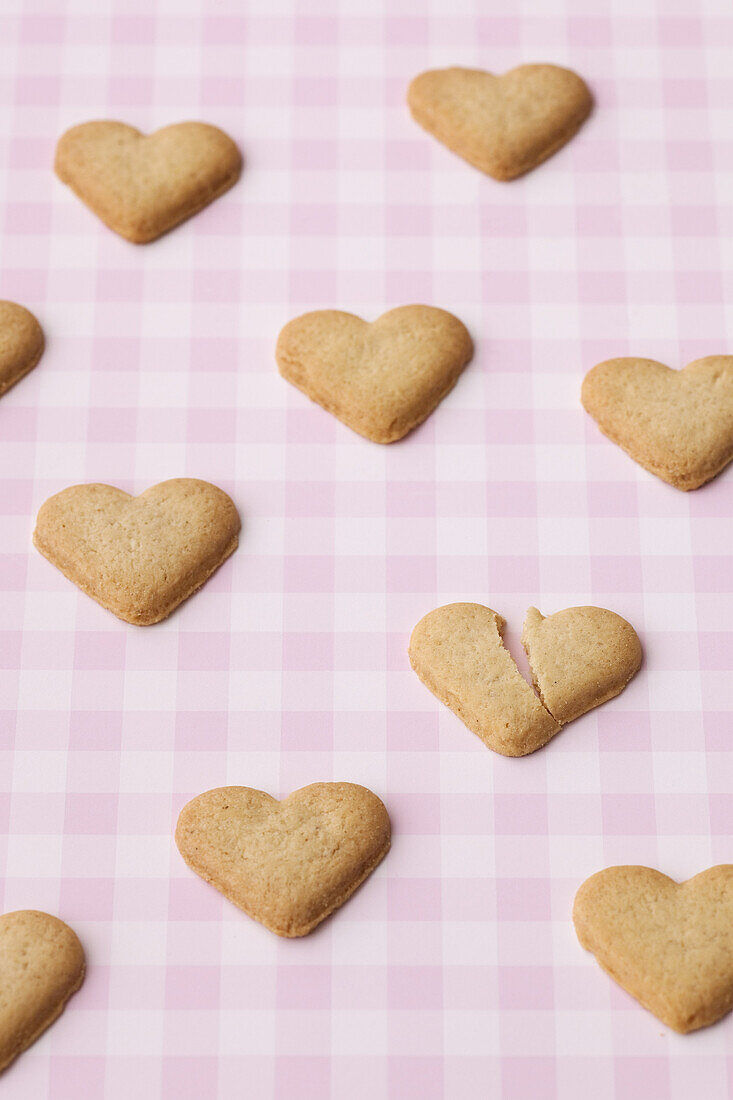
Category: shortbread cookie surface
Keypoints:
(142, 185)
(139, 557)
(287, 864)
(21, 343)
(678, 424)
(41, 965)
(580, 657)
(504, 125)
(668, 944)
(457, 651)
(380, 379)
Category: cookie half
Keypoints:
(380, 379)
(678, 424)
(41, 965)
(287, 864)
(21, 343)
(139, 557)
(668, 944)
(142, 185)
(580, 657)
(504, 125)
(457, 651)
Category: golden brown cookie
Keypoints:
(668, 944)
(138, 556)
(141, 185)
(678, 424)
(21, 343)
(41, 965)
(457, 651)
(380, 379)
(505, 125)
(287, 864)
(579, 657)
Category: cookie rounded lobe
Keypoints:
(21, 343)
(286, 864)
(139, 557)
(41, 965)
(142, 185)
(381, 379)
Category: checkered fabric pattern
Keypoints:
(454, 972)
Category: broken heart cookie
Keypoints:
(41, 965)
(579, 657)
(138, 556)
(505, 125)
(287, 864)
(142, 185)
(21, 343)
(380, 379)
(668, 944)
(678, 424)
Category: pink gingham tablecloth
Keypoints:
(454, 972)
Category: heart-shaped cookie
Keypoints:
(668, 944)
(141, 185)
(380, 379)
(287, 864)
(138, 556)
(505, 125)
(41, 965)
(678, 424)
(579, 658)
(21, 343)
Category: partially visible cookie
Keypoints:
(457, 651)
(668, 944)
(41, 965)
(21, 343)
(579, 657)
(138, 556)
(505, 125)
(287, 864)
(380, 379)
(678, 424)
(142, 185)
